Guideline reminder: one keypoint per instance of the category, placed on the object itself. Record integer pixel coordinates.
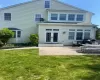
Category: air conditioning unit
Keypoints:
(41, 19)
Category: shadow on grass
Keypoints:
(94, 74)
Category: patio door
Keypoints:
(51, 37)
(55, 37)
(48, 37)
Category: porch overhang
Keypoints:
(67, 24)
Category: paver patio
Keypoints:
(58, 51)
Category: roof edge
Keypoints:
(15, 5)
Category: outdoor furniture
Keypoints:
(90, 48)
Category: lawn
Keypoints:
(27, 65)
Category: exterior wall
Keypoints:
(63, 6)
(23, 17)
(86, 19)
(62, 38)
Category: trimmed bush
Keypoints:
(5, 35)
(98, 34)
(34, 39)
(1, 44)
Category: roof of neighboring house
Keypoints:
(39, 0)
(14, 29)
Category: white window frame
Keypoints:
(49, 4)
(87, 30)
(71, 30)
(5, 19)
(38, 17)
(71, 20)
(79, 30)
(51, 16)
(67, 14)
(79, 14)
(16, 36)
(60, 16)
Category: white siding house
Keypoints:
(55, 22)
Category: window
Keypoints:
(62, 17)
(79, 30)
(48, 37)
(71, 29)
(79, 36)
(87, 30)
(47, 4)
(71, 17)
(18, 34)
(71, 35)
(79, 17)
(55, 29)
(54, 16)
(86, 35)
(14, 34)
(37, 17)
(48, 29)
(7, 16)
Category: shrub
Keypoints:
(34, 39)
(5, 35)
(98, 34)
(1, 44)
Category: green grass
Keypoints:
(27, 65)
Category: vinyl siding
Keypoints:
(23, 17)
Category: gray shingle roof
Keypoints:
(14, 29)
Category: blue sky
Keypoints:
(90, 5)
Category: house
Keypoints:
(55, 22)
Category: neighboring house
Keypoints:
(55, 22)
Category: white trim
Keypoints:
(49, 4)
(37, 14)
(83, 31)
(52, 34)
(58, 20)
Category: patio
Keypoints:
(67, 50)
(59, 51)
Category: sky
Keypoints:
(90, 5)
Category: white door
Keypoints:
(51, 37)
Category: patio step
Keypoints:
(50, 45)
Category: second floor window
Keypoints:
(47, 4)
(7, 16)
(54, 16)
(71, 17)
(62, 17)
(79, 17)
(37, 17)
